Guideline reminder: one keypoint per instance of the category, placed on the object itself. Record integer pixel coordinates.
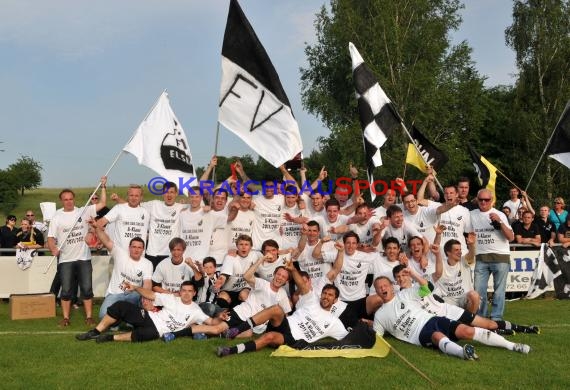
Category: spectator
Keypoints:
(29, 237)
(492, 253)
(527, 232)
(558, 214)
(8, 235)
(547, 228)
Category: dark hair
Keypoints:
(281, 267)
(331, 286)
(332, 202)
(176, 241)
(360, 206)
(463, 179)
(350, 234)
(390, 240)
(392, 209)
(244, 237)
(397, 269)
(137, 239)
(168, 185)
(413, 238)
(64, 191)
(188, 283)
(209, 259)
(314, 223)
(449, 244)
(267, 243)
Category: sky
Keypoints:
(78, 77)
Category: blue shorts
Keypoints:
(437, 324)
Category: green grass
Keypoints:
(56, 360)
(32, 199)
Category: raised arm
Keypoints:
(339, 261)
(101, 234)
(209, 168)
(103, 198)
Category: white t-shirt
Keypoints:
(291, 231)
(164, 225)
(402, 234)
(513, 206)
(268, 215)
(219, 240)
(242, 224)
(126, 269)
(351, 281)
(489, 239)
(175, 315)
(455, 281)
(457, 221)
(310, 322)
(265, 270)
(234, 267)
(402, 317)
(262, 297)
(171, 275)
(130, 222)
(74, 248)
(315, 268)
(364, 231)
(325, 225)
(196, 228)
(423, 220)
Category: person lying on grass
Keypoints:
(403, 317)
(177, 313)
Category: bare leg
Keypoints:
(88, 306)
(473, 301)
(65, 308)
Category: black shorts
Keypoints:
(144, 328)
(355, 310)
(234, 320)
(234, 296)
(437, 324)
(285, 330)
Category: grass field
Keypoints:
(32, 199)
(38, 354)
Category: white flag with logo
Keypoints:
(160, 144)
(253, 104)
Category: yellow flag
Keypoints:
(380, 349)
(414, 158)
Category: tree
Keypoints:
(8, 192)
(26, 174)
(432, 83)
(540, 36)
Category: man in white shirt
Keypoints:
(404, 318)
(177, 313)
(492, 253)
(312, 321)
(66, 241)
(130, 219)
(129, 266)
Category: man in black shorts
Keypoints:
(312, 320)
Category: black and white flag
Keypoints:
(559, 146)
(253, 104)
(552, 269)
(378, 117)
(160, 144)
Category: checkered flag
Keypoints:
(378, 117)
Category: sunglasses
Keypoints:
(29, 215)
(484, 199)
(95, 198)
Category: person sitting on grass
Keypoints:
(403, 317)
(177, 313)
(436, 305)
(311, 321)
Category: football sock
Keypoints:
(487, 337)
(450, 348)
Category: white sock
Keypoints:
(450, 348)
(240, 348)
(487, 337)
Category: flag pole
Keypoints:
(419, 153)
(513, 183)
(60, 245)
(546, 147)
(216, 151)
